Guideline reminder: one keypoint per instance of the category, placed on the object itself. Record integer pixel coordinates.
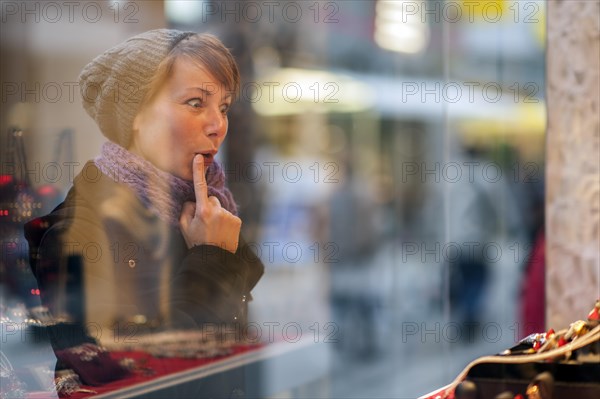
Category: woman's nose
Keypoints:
(215, 122)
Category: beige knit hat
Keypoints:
(114, 84)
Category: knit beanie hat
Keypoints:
(114, 84)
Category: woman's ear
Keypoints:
(135, 130)
(136, 122)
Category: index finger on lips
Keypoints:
(200, 186)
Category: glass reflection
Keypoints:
(387, 161)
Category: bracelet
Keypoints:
(67, 383)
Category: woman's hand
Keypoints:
(206, 222)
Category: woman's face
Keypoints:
(188, 116)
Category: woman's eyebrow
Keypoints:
(202, 89)
(207, 92)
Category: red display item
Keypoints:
(161, 367)
(92, 363)
(594, 315)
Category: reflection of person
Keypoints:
(150, 218)
(473, 224)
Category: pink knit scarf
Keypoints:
(160, 190)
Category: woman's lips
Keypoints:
(208, 158)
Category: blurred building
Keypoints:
(350, 152)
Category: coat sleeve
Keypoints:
(213, 285)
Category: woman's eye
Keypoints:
(195, 102)
(225, 109)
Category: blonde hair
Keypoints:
(207, 51)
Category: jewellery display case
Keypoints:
(549, 365)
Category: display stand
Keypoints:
(494, 375)
(265, 370)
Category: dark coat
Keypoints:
(132, 263)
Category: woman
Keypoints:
(149, 224)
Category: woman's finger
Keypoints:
(200, 186)
(214, 200)
(187, 212)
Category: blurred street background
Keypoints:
(387, 158)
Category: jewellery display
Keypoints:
(87, 352)
(92, 363)
(67, 383)
(551, 340)
(182, 344)
(12, 386)
(137, 367)
(567, 363)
